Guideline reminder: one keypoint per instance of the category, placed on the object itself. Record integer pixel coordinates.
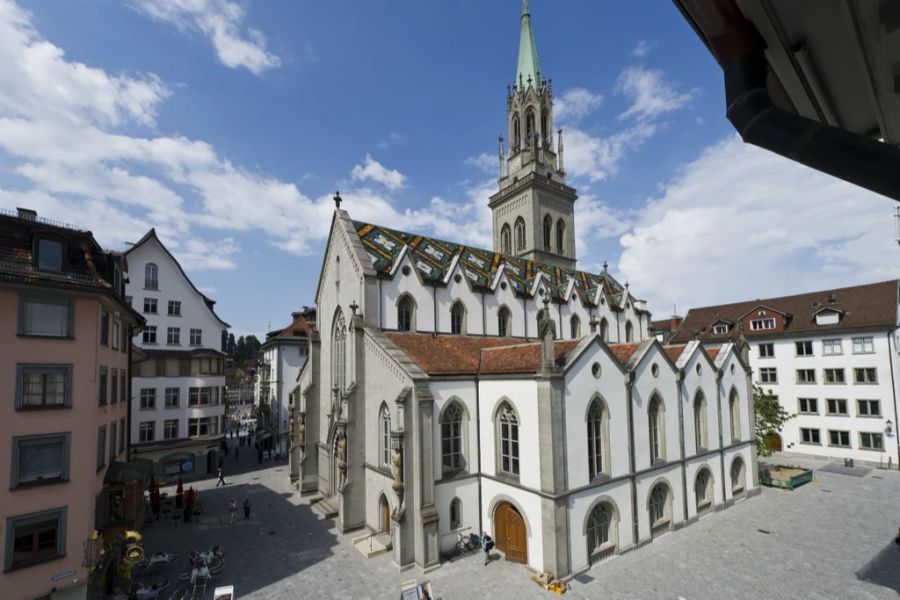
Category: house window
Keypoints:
(115, 334)
(656, 422)
(122, 434)
(405, 314)
(597, 435)
(808, 406)
(455, 513)
(503, 323)
(720, 328)
(599, 528)
(174, 308)
(871, 441)
(150, 334)
(604, 329)
(202, 427)
(809, 436)
(658, 501)
(128, 300)
(840, 439)
(762, 324)
(200, 396)
(766, 350)
(45, 316)
(35, 538)
(520, 233)
(113, 435)
(629, 331)
(173, 336)
(505, 239)
(832, 347)
(734, 406)
(104, 327)
(196, 337)
(458, 318)
(834, 376)
(508, 426)
(49, 254)
(452, 439)
(40, 459)
(768, 375)
(863, 345)
(114, 386)
(806, 375)
(123, 390)
(43, 386)
(151, 273)
(101, 447)
(868, 408)
(103, 379)
(170, 429)
(865, 375)
(836, 406)
(147, 431)
(700, 420)
(804, 348)
(172, 397)
(385, 436)
(150, 306)
(148, 398)
(575, 327)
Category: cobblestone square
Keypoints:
(833, 538)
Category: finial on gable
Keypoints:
(337, 199)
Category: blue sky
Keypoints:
(228, 125)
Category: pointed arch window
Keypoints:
(455, 513)
(545, 126)
(529, 127)
(504, 322)
(575, 327)
(505, 239)
(406, 314)
(656, 420)
(151, 276)
(385, 420)
(703, 491)
(600, 531)
(516, 132)
(458, 318)
(598, 439)
(338, 353)
(737, 477)
(659, 508)
(452, 457)
(560, 236)
(629, 331)
(508, 441)
(520, 233)
(548, 232)
(701, 435)
(604, 329)
(734, 408)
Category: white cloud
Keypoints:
(597, 157)
(393, 139)
(487, 162)
(739, 222)
(576, 103)
(198, 254)
(650, 93)
(642, 48)
(372, 170)
(221, 22)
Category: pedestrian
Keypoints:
(487, 543)
(221, 478)
(237, 453)
(232, 510)
(259, 456)
(246, 508)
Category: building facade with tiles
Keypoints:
(832, 358)
(453, 390)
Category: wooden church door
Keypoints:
(510, 534)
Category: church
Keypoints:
(453, 390)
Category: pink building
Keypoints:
(64, 357)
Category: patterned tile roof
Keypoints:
(434, 258)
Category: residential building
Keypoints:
(451, 389)
(831, 357)
(178, 399)
(64, 355)
(664, 329)
(280, 358)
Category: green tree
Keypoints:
(231, 345)
(770, 418)
(240, 350)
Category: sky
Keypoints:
(228, 125)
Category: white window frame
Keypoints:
(808, 401)
(864, 345)
(865, 380)
(829, 346)
(769, 350)
(763, 324)
(838, 403)
(804, 348)
(868, 403)
(811, 431)
(833, 379)
(871, 436)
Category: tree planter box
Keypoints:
(786, 477)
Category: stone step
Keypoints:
(327, 507)
(373, 544)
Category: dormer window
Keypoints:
(49, 254)
(720, 328)
(828, 317)
(151, 277)
(762, 324)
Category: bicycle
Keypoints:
(466, 543)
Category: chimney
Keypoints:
(832, 297)
(26, 213)
(674, 322)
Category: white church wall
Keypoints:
(522, 396)
(744, 453)
(618, 494)
(459, 290)
(567, 310)
(646, 384)
(378, 484)
(463, 392)
(504, 296)
(466, 490)
(734, 376)
(705, 382)
(406, 281)
(671, 476)
(692, 467)
(529, 506)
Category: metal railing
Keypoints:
(42, 220)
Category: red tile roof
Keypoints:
(712, 353)
(300, 327)
(674, 352)
(521, 358)
(623, 352)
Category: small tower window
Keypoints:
(505, 239)
(520, 233)
(516, 132)
(548, 232)
(560, 236)
(545, 129)
(503, 322)
(405, 314)
(529, 127)
(458, 318)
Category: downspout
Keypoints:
(380, 308)
(525, 313)
(434, 306)
(629, 387)
(739, 49)
(894, 391)
(721, 437)
(562, 333)
(618, 330)
(128, 454)
(478, 450)
(483, 315)
(679, 379)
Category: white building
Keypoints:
(452, 390)
(280, 358)
(832, 357)
(178, 392)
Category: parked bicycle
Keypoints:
(466, 543)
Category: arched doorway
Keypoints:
(384, 510)
(510, 533)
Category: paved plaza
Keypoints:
(833, 538)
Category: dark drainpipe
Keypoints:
(679, 379)
(894, 388)
(719, 374)
(629, 389)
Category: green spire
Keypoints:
(528, 59)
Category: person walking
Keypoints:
(221, 478)
(246, 508)
(487, 543)
(237, 453)
(232, 511)
(259, 456)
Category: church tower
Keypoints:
(534, 211)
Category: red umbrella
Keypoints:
(152, 485)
